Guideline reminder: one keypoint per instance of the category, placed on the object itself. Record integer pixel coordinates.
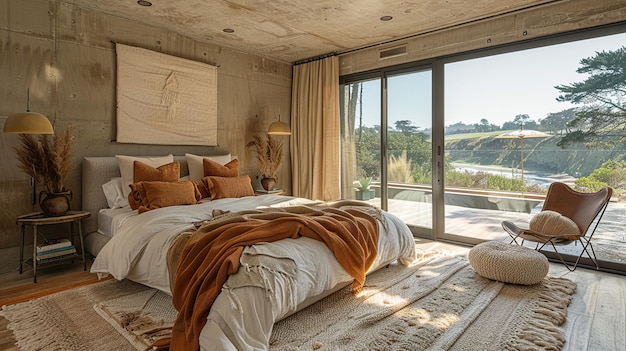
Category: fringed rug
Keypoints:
(141, 318)
(67, 320)
(439, 304)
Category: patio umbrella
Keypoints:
(522, 134)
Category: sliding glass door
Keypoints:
(515, 122)
(409, 147)
(361, 141)
(387, 144)
(457, 146)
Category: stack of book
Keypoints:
(273, 191)
(51, 250)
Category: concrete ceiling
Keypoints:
(293, 30)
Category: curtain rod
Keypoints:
(317, 58)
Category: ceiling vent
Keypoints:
(392, 52)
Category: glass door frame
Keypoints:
(382, 75)
(438, 65)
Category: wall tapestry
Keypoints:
(162, 99)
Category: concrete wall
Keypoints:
(65, 55)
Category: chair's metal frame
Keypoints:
(584, 238)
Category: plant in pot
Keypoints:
(49, 163)
(269, 154)
(363, 191)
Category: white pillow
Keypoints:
(114, 193)
(126, 167)
(196, 168)
(553, 223)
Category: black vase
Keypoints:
(268, 183)
(55, 204)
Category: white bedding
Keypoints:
(106, 216)
(241, 318)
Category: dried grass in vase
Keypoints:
(269, 154)
(49, 162)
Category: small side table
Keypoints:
(37, 219)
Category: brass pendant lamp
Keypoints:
(28, 122)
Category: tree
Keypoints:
(556, 123)
(405, 127)
(611, 173)
(521, 119)
(510, 125)
(484, 126)
(603, 96)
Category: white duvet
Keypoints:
(240, 318)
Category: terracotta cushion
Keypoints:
(212, 168)
(228, 187)
(194, 163)
(155, 194)
(126, 165)
(169, 172)
(143, 173)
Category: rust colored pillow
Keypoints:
(204, 192)
(225, 187)
(155, 194)
(143, 173)
(166, 173)
(136, 195)
(212, 168)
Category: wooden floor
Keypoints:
(596, 316)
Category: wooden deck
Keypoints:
(609, 240)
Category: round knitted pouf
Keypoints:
(508, 263)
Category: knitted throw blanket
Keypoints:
(213, 251)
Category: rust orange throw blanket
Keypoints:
(213, 251)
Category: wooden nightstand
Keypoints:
(37, 219)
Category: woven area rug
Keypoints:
(439, 304)
(141, 318)
(67, 320)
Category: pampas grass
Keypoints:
(48, 161)
(269, 154)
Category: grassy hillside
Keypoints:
(540, 154)
(453, 137)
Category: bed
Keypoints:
(128, 245)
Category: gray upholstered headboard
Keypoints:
(97, 171)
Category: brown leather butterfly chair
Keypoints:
(581, 208)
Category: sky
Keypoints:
(496, 88)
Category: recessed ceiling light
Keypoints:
(144, 3)
(386, 18)
(228, 30)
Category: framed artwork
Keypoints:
(163, 99)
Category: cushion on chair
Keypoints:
(508, 263)
(553, 223)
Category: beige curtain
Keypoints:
(315, 129)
